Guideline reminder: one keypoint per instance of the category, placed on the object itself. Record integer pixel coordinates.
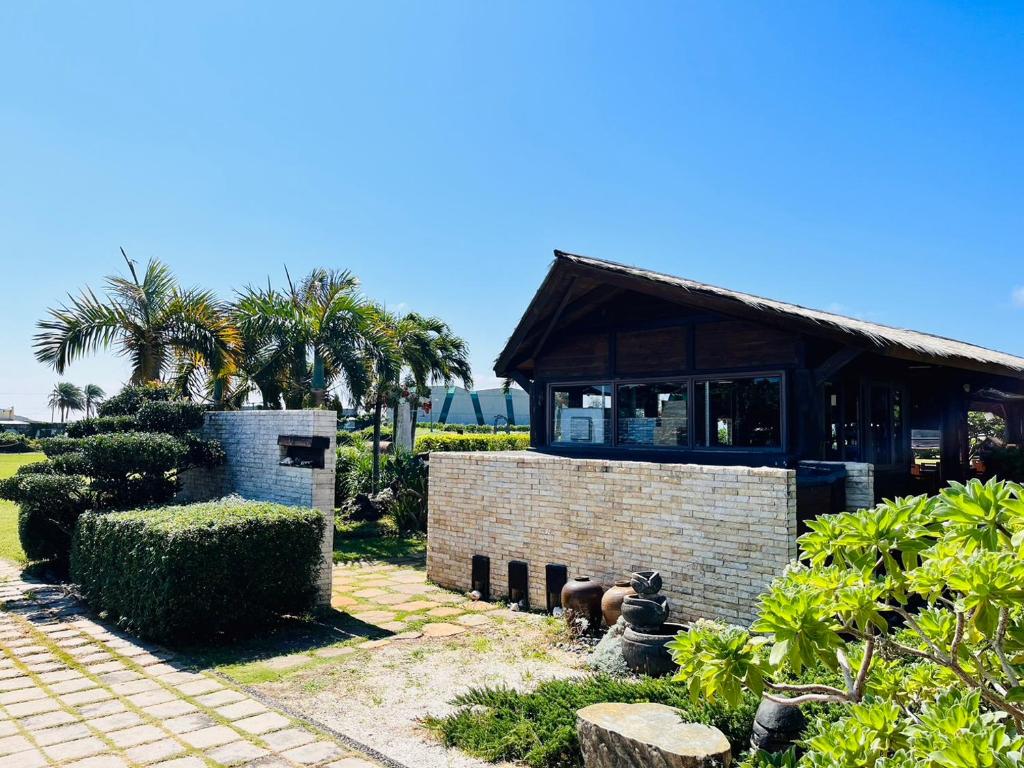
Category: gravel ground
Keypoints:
(379, 696)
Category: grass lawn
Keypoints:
(10, 547)
(354, 542)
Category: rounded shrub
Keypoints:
(50, 505)
(173, 417)
(125, 453)
(15, 442)
(55, 446)
(129, 400)
(102, 424)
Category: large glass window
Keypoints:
(739, 413)
(582, 414)
(652, 414)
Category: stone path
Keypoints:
(398, 600)
(74, 693)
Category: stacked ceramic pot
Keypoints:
(647, 633)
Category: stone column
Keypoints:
(403, 433)
(325, 424)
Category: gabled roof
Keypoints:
(568, 268)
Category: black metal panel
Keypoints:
(304, 441)
(518, 583)
(555, 577)
(481, 576)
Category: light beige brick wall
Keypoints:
(252, 469)
(860, 483)
(718, 535)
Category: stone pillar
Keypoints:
(403, 430)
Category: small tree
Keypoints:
(916, 605)
(66, 398)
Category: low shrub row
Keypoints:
(15, 442)
(539, 728)
(194, 572)
(472, 429)
(457, 442)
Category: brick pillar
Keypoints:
(323, 499)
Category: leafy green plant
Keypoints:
(917, 606)
(198, 571)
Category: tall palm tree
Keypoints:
(323, 318)
(425, 348)
(151, 319)
(94, 394)
(66, 398)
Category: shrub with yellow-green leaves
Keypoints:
(918, 607)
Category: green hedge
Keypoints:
(172, 417)
(194, 572)
(55, 446)
(457, 442)
(130, 400)
(102, 424)
(49, 506)
(15, 442)
(124, 453)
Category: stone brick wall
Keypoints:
(860, 483)
(253, 470)
(717, 534)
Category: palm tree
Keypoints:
(427, 349)
(94, 394)
(66, 397)
(322, 317)
(151, 319)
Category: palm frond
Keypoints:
(74, 330)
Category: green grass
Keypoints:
(10, 547)
(539, 728)
(355, 542)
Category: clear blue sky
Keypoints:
(861, 157)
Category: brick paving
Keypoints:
(395, 603)
(75, 693)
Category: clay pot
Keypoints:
(645, 653)
(645, 613)
(581, 598)
(611, 603)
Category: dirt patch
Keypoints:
(379, 696)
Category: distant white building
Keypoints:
(455, 405)
(11, 422)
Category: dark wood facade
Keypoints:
(627, 364)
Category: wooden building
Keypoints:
(622, 362)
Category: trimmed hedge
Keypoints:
(55, 446)
(122, 453)
(457, 442)
(101, 425)
(129, 400)
(193, 572)
(174, 417)
(49, 506)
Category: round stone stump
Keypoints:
(647, 736)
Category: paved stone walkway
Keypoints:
(74, 693)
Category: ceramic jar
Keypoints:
(611, 603)
(581, 599)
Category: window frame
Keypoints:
(691, 381)
(551, 415)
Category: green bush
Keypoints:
(102, 424)
(174, 417)
(456, 442)
(202, 453)
(55, 446)
(15, 442)
(49, 505)
(539, 728)
(199, 571)
(124, 453)
(129, 400)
